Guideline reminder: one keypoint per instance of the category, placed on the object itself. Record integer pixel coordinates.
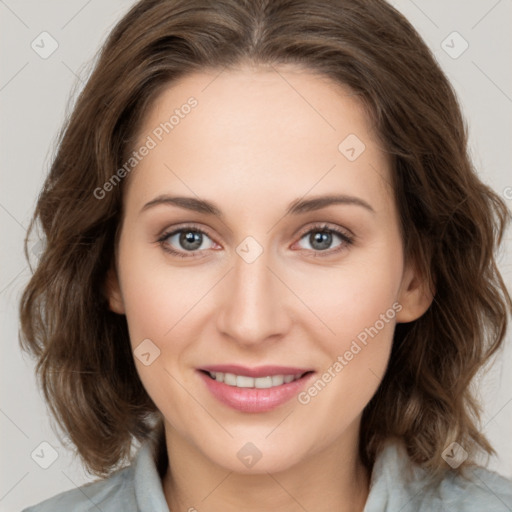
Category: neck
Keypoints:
(331, 479)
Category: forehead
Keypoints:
(259, 130)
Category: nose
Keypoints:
(254, 303)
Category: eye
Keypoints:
(191, 239)
(187, 238)
(321, 237)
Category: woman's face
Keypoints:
(269, 274)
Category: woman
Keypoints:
(269, 260)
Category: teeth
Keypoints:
(277, 380)
(242, 381)
(229, 379)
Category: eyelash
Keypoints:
(348, 240)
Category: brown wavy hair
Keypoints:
(451, 223)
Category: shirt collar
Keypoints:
(149, 492)
(394, 480)
(391, 471)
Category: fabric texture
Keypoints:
(396, 485)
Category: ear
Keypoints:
(113, 292)
(415, 296)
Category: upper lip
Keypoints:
(258, 371)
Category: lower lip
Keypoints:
(254, 399)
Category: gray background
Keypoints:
(36, 93)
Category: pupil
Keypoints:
(192, 238)
(322, 236)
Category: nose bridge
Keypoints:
(253, 309)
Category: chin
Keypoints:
(258, 457)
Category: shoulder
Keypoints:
(131, 489)
(481, 489)
(111, 494)
(398, 484)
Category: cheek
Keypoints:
(358, 309)
(159, 305)
(354, 296)
(156, 295)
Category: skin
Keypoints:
(259, 139)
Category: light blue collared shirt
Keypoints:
(396, 485)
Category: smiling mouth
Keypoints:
(244, 381)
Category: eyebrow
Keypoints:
(296, 207)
